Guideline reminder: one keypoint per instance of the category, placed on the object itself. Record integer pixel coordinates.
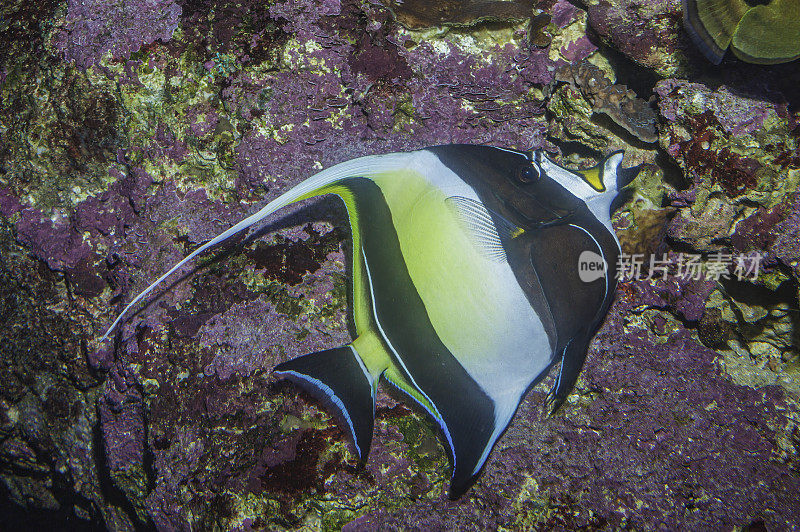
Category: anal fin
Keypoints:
(339, 377)
(572, 359)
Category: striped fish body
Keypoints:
(466, 291)
(467, 286)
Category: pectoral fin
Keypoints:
(486, 229)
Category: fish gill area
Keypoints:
(131, 131)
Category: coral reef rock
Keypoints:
(131, 131)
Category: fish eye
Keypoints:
(527, 174)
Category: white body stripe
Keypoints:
(504, 346)
(599, 203)
(488, 325)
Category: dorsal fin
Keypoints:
(313, 186)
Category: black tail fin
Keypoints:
(339, 377)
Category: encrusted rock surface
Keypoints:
(649, 32)
(615, 101)
(133, 130)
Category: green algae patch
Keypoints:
(424, 447)
(532, 509)
(175, 122)
(756, 337)
(63, 125)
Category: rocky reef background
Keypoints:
(133, 130)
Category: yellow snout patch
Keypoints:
(593, 178)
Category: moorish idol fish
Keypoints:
(475, 270)
(758, 31)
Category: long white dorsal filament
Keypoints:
(357, 167)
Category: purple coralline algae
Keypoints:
(93, 28)
(650, 33)
(132, 131)
(656, 437)
(741, 144)
(784, 238)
